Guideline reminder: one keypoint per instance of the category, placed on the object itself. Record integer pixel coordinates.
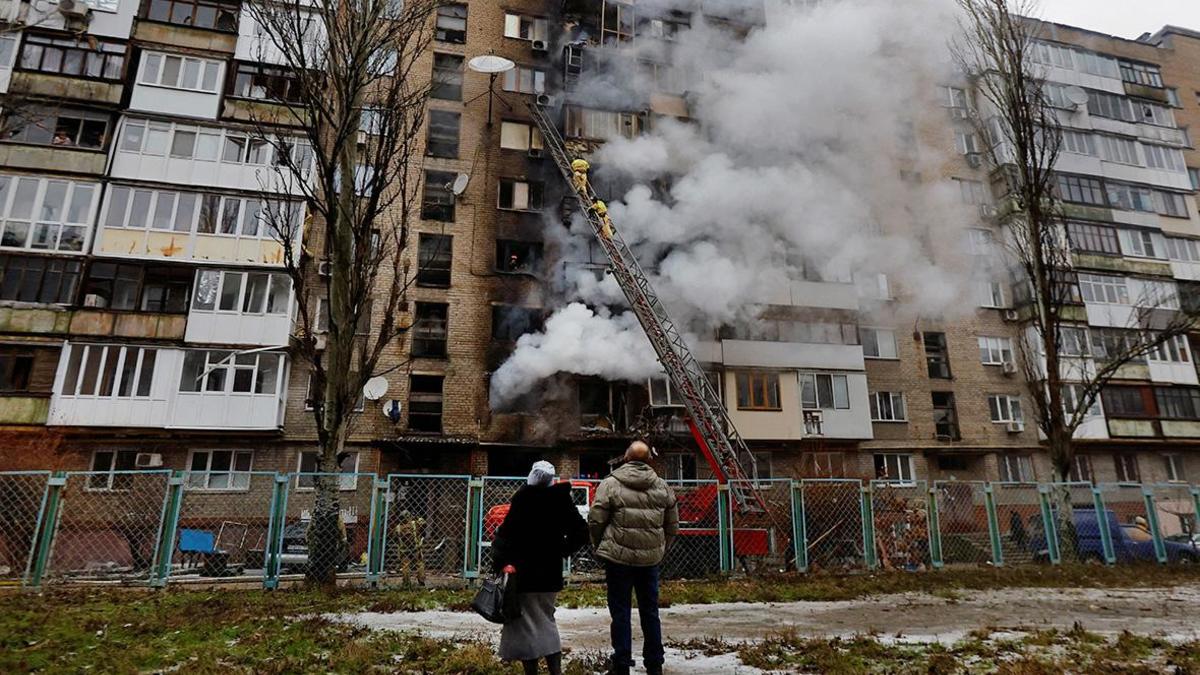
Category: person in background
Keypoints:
(542, 528)
(632, 521)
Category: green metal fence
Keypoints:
(163, 527)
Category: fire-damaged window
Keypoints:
(134, 287)
(438, 199)
(425, 403)
(447, 77)
(429, 330)
(601, 124)
(601, 405)
(937, 356)
(442, 140)
(434, 253)
(451, 23)
(945, 416)
(510, 322)
(27, 369)
(306, 465)
(520, 195)
(617, 21)
(518, 257)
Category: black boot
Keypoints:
(531, 666)
(653, 670)
(614, 669)
(554, 663)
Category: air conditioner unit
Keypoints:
(543, 99)
(1009, 368)
(535, 153)
(147, 460)
(324, 268)
(74, 9)
(93, 300)
(1014, 427)
(974, 160)
(987, 211)
(1011, 315)
(539, 46)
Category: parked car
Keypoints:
(1131, 542)
(294, 554)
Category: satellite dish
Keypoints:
(1077, 95)
(460, 184)
(375, 388)
(490, 64)
(392, 409)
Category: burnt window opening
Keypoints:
(520, 195)
(601, 405)
(447, 77)
(518, 257)
(261, 82)
(16, 369)
(429, 330)
(437, 201)
(425, 403)
(937, 356)
(945, 416)
(137, 288)
(434, 253)
(442, 139)
(451, 24)
(510, 322)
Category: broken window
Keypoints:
(447, 77)
(937, 356)
(306, 466)
(429, 330)
(510, 322)
(434, 258)
(600, 124)
(617, 21)
(945, 416)
(16, 368)
(680, 466)
(757, 390)
(597, 404)
(518, 257)
(525, 27)
(438, 198)
(451, 23)
(442, 140)
(823, 465)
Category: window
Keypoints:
(1109, 343)
(1004, 408)
(1160, 294)
(600, 124)
(518, 136)
(425, 403)
(1162, 157)
(447, 77)
(1169, 204)
(134, 287)
(89, 57)
(451, 24)
(1179, 403)
(242, 292)
(617, 22)
(971, 191)
(1016, 468)
(955, 99)
(1097, 64)
(981, 242)
(1080, 190)
(518, 257)
(663, 393)
(820, 391)
(112, 470)
(894, 468)
(989, 293)
(680, 466)
(61, 127)
(1130, 197)
(520, 195)
(1049, 54)
(1172, 350)
(1141, 73)
(823, 465)
(196, 13)
(433, 260)
(437, 199)
(1173, 465)
(1126, 466)
(1072, 398)
(180, 72)
(887, 406)
(261, 82)
(510, 322)
(39, 279)
(443, 134)
(45, 214)
(525, 80)
(1118, 149)
(1194, 175)
(878, 343)
(222, 372)
(995, 351)
(525, 27)
(1103, 288)
(1132, 402)
(16, 369)
(757, 391)
(1078, 142)
(429, 330)
(937, 356)
(945, 416)
(219, 469)
(966, 143)
(108, 371)
(761, 467)
(307, 463)
(186, 212)
(1112, 106)
(1090, 238)
(596, 399)
(1081, 469)
(1183, 250)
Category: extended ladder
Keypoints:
(709, 421)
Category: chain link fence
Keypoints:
(1178, 509)
(901, 513)
(762, 537)
(427, 526)
(224, 522)
(1021, 525)
(22, 498)
(308, 539)
(497, 495)
(833, 524)
(963, 522)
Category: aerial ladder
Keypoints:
(713, 431)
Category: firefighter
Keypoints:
(410, 545)
(606, 226)
(579, 175)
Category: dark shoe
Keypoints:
(653, 670)
(614, 669)
(554, 663)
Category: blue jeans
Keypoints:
(622, 581)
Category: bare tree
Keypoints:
(355, 96)
(1066, 364)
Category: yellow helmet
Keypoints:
(580, 165)
(599, 207)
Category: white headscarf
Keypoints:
(542, 473)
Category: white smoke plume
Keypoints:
(793, 158)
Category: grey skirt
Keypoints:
(535, 634)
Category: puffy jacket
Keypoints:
(633, 516)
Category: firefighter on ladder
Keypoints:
(606, 226)
(579, 176)
(410, 545)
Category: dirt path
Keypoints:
(1163, 612)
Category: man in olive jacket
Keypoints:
(632, 521)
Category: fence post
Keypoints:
(934, 526)
(799, 527)
(1049, 526)
(279, 495)
(725, 528)
(47, 527)
(167, 529)
(989, 503)
(1196, 506)
(1160, 549)
(377, 537)
(474, 531)
(867, 504)
(1106, 543)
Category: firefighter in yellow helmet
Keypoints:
(606, 226)
(579, 175)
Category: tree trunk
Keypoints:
(1062, 454)
(328, 549)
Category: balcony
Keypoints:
(67, 87)
(52, 158)
(24, 410)
(762, 354)
(1121, 264)
(122, 324)
(240, 308)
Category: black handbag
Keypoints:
(496, 600)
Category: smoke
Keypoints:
(797, 163)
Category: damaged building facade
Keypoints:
(145, 318)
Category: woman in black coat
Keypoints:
(542, 528)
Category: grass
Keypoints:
(244, 630)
